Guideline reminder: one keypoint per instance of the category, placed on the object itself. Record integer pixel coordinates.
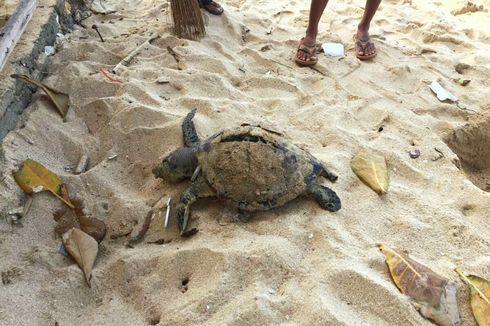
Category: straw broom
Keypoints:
(187, 19)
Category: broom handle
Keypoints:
(127, 60)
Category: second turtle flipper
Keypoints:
(191, 139)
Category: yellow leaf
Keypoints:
(83, 248)
(372, 170)
(33, 177)
(434, 296)
(60, 100)
(480, 297)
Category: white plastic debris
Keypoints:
(167, 215)
(333, 49)
(441, 93)
(49, 50)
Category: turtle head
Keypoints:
(178, 165)
(330, 202)
(326, 197)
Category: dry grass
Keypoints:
(187, 19)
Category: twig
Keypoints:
(98, 33)
(141, 234)
(280, 63)
(176, 56)
(127, 60)
(441, 154)
(318, 70)
(27, 206)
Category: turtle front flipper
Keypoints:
(198, 189)
(191, 139)
(328, 174)
(326, 197)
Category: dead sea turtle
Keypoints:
(251, 167)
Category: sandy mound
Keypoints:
(297, 265)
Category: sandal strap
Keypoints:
(310, 50)
(364, 44)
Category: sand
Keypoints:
(297, 265)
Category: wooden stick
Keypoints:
(127, 60)
(12, 31)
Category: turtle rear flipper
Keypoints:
(191, 139)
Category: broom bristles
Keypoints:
(187, 19)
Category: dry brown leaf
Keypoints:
(33, 177)
(75, 218)
(60, 100)
(480, 297)
(83, 248)
(372, 170)
(434, 296)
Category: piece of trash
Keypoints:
(105, 73)
(441, 93)
(167, 215)
(462, 82)
(112, 157)
(333, 49)
(61, 250)
(49, 50)
(162, 81)
(82, 164)
(414, 154)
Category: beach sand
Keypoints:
(296, 265)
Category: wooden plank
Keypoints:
(13, 29)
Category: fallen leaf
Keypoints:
(434, 296)
(480, 297)
(60, 100)
(34, 177)
(372, 170)
(75, 218)
(83, 248)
